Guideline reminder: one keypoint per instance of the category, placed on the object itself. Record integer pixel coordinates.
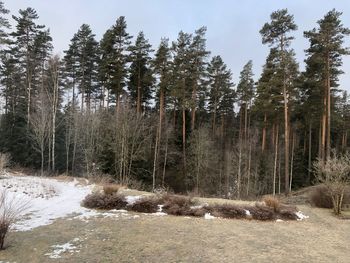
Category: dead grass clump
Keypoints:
(263, 213)
(321, 198)
(179, 200)
(196, 212)
(109, 189)
(272, 201)
(104, 201)
(101, 179)
(146, 205)
(287, 214)
(227, 211)
(176, 204)
(10, 211)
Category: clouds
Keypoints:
(233, 26)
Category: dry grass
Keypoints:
(104, 201)
(145, 205)
(185, 206)
(180, 239)
(10, 210)
(109, 189)
(272, 201)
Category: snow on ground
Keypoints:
(301, 216)
(247, 212)
(132, 199)
(49, 199)
(208, 216)
(69, 247)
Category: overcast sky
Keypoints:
(233, 25)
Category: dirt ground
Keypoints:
(150, 238)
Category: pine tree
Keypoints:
(141, 79)
(275, 33)
(86, 64)
(182, 85)
(25, 38)
(114, 53)
(245, 94)
(197, 61)
(326, 46)
(4, 24)
(221, 94)
(163, 73)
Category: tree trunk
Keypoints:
(275, 162)
(193, 108)
(291, 162)
(309, 157)
(138, 102)
(249, 167)
(165, 157)
(328, 83)
(286, 140)
(239, 173)
(263, 143)
(155, 161)
(184, 140)
(324, 124)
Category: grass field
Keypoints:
(150, 238)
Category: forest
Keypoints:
(170, 117)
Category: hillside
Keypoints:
(63, 232)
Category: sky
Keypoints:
(232, 25)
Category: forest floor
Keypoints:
(121, 236)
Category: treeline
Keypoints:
(172, 117)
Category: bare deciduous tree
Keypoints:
(10, 211)
(334, 174)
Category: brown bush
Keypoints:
(146, 205)
(176, 204)
(10, 211)
(320, 197)
(227, 211)
(104, 201)
(109, 189)
(272, 201)
(101, 179)
(196, 212)
(287, 214)
(263, 213)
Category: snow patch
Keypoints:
(301, 216)
(208, 216)
(64, 248)
(132, 199)
(279, 220)
(48, 199)
(159, 214)
(247, 212)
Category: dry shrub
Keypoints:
(227, 211)
(287, 214)
(10, 211)
(272, 201)
(196, 212)
(320, 197)
(334, 175)
(101, 179)
(146, 205)
(109, 189)
(176, 204)
(104, 201)
(262, 213)
(179, 200)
